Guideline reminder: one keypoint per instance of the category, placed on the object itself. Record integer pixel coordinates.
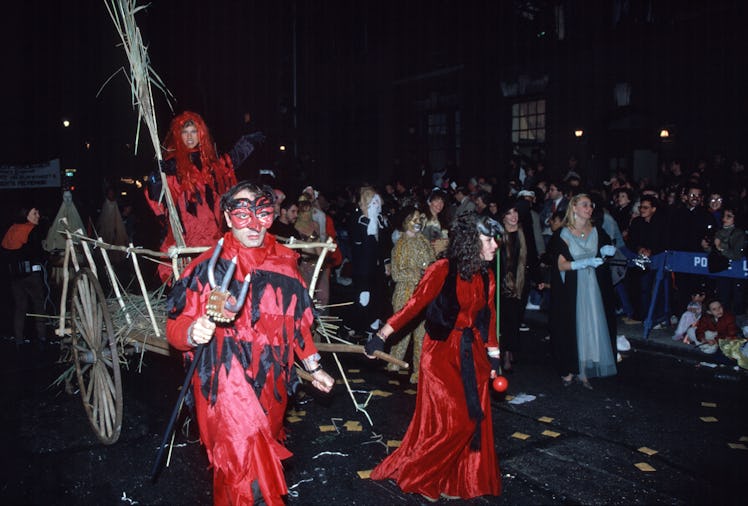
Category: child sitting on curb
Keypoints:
(716, 325)
(686, 329)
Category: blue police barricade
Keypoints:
(689, 263)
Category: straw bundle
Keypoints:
(141, 78)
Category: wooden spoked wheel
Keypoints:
(95, 356)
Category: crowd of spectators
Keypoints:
(699, 210)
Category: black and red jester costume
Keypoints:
(246, 373)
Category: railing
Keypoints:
(688, 263)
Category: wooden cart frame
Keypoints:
(96, 345)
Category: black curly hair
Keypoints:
(465, 246)
(255, 188)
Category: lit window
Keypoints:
(528, 122)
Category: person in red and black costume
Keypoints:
(242, 382)
(196, 177)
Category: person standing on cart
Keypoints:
(196, 176)
(246, 372)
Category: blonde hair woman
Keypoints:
(582, 318)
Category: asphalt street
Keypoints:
(665, 430)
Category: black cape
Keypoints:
(562, 320)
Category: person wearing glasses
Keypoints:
(647, 237)
(691, 224)
(715, 206)
(582, 318)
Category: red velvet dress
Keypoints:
(435, 456)
(241, 385)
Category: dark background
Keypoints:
(351, 87)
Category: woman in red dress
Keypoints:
(448, 449)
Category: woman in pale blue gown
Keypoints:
(582, 318)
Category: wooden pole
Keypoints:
(356, 348)
(115, 284)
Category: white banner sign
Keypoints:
(39, 175)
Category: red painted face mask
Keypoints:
(255, 214)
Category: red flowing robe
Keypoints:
(435, 456)
(242, 383)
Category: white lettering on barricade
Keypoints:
(39, 175)
(698, 263)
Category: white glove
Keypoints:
(363, 298)
(586, 262)
(607, 250)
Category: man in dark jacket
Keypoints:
(647, 236)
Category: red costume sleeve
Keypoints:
(243, 378)
(430, 286)
(426, 291)
(727, 328)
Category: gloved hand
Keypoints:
(363, 298)
(586, 262)
(608, 250)
(255, 138)
(375, 343)
(154, 185)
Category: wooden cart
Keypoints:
(99, 332)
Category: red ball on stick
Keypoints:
(500, 384)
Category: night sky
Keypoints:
(227, 58)
(222, 61)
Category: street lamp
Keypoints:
(578, 133)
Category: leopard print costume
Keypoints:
(410, 257)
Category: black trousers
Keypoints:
(28, 292)
(510, 311)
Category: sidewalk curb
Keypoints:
(649, 344)
(725, 371)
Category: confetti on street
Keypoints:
(647, 451)
(520, 435)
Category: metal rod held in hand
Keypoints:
(200, 348)
(156, 470)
